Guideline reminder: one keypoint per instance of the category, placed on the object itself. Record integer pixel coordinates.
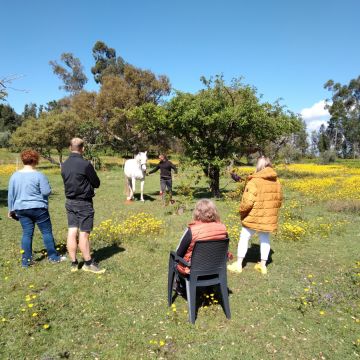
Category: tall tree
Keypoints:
(345, 113)
(106, 62)
(73, 76)
(222, 120)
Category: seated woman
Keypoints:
(206, 225)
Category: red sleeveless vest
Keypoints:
(202, 231)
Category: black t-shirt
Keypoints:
(79, 178)
(165, 167)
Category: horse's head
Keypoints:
(141, 157)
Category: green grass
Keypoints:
(120, 314)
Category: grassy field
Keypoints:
(307, 307)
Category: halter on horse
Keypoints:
(135, 169)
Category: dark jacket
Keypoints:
(165, 167)
(79, 178)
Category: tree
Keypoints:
(117, 99)
(9, 119)
(5, 84)
(323, 139)
(74, 79)
(30, 111)
(314, 140)
(50, 131)
(106, 62)
(345, 113)
(222, 120)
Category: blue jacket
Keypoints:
(28, 190)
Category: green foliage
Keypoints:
(4, 139)
(222, 120)
(345, 115)
(106, 62)
(74, 79)
(9, 119)
(327, 157)
(50, 131)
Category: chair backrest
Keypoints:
(209, 256)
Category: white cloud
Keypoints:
(315, 116)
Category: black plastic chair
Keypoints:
(207, 268)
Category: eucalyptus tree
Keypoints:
(72, 76)
(344, 110)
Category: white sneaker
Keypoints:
(235, 268)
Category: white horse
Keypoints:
(135, 169)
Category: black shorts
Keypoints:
(80, 214)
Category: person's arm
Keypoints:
(156, 168)
(11, 199)
(173, 167)
(184, 243)
(248, 199)
(92, 176)
(45, 188)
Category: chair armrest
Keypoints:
(179, 259)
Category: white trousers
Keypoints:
(245, 236)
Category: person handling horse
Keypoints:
(165, 167)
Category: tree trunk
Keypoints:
(213, 173)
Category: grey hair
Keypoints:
(205, 211)
(262, 163)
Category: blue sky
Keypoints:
(286, 49)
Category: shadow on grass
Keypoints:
(3, 197)
(253, 255)
(107, 252)
(204, 192)
(147, 197)
(203, 299)
(98, 254)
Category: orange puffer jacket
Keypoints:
(202, 231)
(261, 201)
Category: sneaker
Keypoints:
(235, 268)
(60, 259)
(260, 268)
(74, 266)
(94, 268)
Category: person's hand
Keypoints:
(235, 177)
(12, 215)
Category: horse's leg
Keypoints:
(133, 187)
(142, 190)
(130, 190)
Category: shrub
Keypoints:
(351, 206)
(327, 157)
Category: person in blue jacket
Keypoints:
(28, 194)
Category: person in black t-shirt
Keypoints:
(165, 167)
(80, 179)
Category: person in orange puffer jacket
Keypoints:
(259, 212)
